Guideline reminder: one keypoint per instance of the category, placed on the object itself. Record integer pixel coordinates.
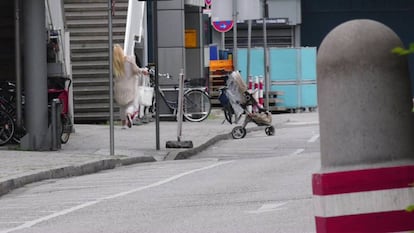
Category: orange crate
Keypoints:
(226, 65)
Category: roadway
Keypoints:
(256, 184)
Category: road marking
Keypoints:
(99, 200)
(298, 151)
(11, 222)
(303, 123)
(268, 208)
(313, 138)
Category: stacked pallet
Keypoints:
(219, 69)
(275, 102)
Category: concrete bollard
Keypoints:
(367, 132)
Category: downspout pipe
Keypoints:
(18, 65)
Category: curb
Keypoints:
(96, 166)
(185, 154)
(68, 171)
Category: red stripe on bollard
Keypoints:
(368, 200)
(261, 100)
(393, 221)
(363, 180)
(250, 84)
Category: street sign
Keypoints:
(223, 26)
(208, 2)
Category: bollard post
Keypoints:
(250, 86)
(366, 132)
(179, 143)
(250, 89)
(256, 88)
(55, 124)
(180, 105)
(261, 100)
(256, 92)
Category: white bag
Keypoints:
(145, 94)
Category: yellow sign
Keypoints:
(191, 38)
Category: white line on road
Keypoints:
(268, 208)
(298, 151)
(99, 200)
(303, 123)
(313, 138)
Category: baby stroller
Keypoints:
(236, 100)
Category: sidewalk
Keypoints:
(88, 149)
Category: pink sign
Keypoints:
(208, 2)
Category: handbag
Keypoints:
(145, 94)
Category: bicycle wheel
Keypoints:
(6, 127)
(18, 134)
(66, 128)
(196, 105)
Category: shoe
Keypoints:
(129, 121)
(137, 121)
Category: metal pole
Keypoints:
(266, 65)
(180, 105)
(54, 114)
(223, 41)
(18, 65)
(157, 95)
(235, 34)
(111, 102)
(249, 46)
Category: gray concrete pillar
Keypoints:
(171, 50)
(35, 76)
(367, 132)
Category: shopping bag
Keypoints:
(145, 94)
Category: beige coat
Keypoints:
(125, 88)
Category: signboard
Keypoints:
(222, 10)
(208, 2)
(223, 26)
(249, 9)
(190, 38)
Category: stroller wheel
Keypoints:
(270, 130)
(238, 132)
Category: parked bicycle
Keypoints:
(9, 130)
(6, 127)
(60, 89)
(196, 101)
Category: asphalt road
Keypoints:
(256, 184)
